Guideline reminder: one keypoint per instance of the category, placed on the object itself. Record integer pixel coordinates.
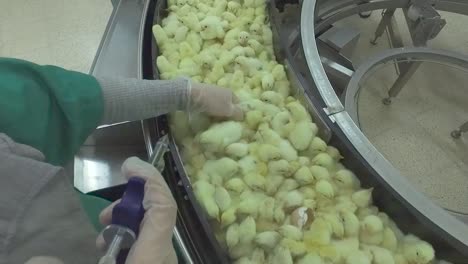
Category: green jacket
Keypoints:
(48, 108)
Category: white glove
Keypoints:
(154, 243)
(214, 101)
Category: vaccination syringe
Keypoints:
(128, 213)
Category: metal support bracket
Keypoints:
(424, 21)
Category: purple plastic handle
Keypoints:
(129, 212)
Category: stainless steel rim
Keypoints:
(435, 214)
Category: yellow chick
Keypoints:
(253, 118)
(181, 34)
(346, 179)
(249, 205)
(243, 38)
(371, 231)
(240, 250)
(165, 66)
(279, 214)
(293, 200)
(247, 230)
(301, 136)
(319, 172)
(215, 74)
(237, 81)
(224, 167)
(191, 21)
(237, 150)
(220, 135)
(291, 232)
(257, 47)
(303, 176)
(380, 255)
(361, 213)
(360, 257)
(160, 35)
(204, 192)
(278, 167)
(206, 60)
(271, 97)
(350, 223)
(267, 208)
(188, 67)
(228, 16)
(222, 198)
(229, 216)
(304, 161)
(390, 240)
(313, 258)
(226, 58)
(268, 83)
(249, 65)
(267, 240)
(272, 183)
(345, 247)
(336, 225)
(280, 255)
(288, 185)
(232, 235)
(233, 7)
(198, 161)
(231, 39)
(236, 185)
(258, 256)
(417, 251)
(324, 160)
(211, 28)
(299, 113)
(219, 7)
(185, 50)
(316, 146)
(334, 153)
(225, 80)
(325, 189)
(267, 152)
(308, 191)
(362, 198)
(267, 35)
(297, 248)
(287, 150)
(255, 181)
(282, 87)
(266, 135)
(249, 52)
(248, 164)
(279, 73)
(318, 234)
(255, 81)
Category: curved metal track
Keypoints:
(416, 54)
(456, 233)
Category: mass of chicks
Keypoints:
(274, 191)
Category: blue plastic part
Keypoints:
(130, 212)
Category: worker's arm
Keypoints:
(55, 110)
(49, 108)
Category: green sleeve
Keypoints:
(48, 108)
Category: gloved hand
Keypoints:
(154, 243)
(214, 101)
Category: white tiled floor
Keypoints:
(65, 33)
(414, 131)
